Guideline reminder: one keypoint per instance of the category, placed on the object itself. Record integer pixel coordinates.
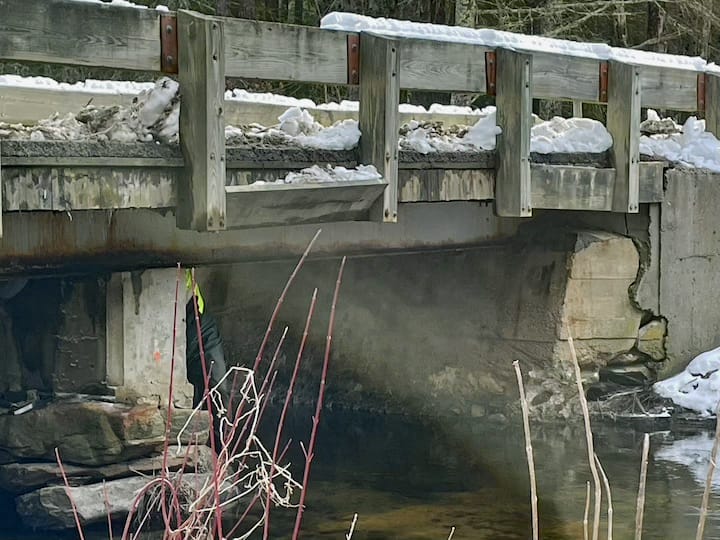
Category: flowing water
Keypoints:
(415, 480)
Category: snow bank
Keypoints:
(692, 453)
(698, 387)
(324, 175)
(497, 38)
(693, 147)
(90, 85)
(297, 126)
(573, 135)
(122, 3)
(428, 137)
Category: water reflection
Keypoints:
(412, 480)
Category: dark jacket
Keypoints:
(210, 335)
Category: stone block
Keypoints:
(593, 352)
(651, 339)
(87, 433)
(21, 478)
(601, 255)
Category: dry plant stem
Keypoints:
(589, 437)
(606, 483)
(206, 374)
(318, 409)
(708, 479)
(139, 497)
(68, 492)
(587, 510)
(528, 452)
(348, 536)
(107, 511)
(640, 508)
(286, 405)
(168, 424)
(275, 312)
(452, 533)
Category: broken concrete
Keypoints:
(651, 339)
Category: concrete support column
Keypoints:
(140, 337)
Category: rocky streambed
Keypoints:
(109, 452)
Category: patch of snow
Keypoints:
(121, 3)
(239, 94)
(497, 38)
(90, 85)
(692, 453)
(428, 137)
(693, 147)
(324, 175)
(697, 387)
(569, 135)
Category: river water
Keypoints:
(414, 480)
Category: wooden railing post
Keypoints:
(712, 103)
(201, 72)
(379, 117)
(514, 116)
(623, 123)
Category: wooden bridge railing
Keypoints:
(204, 50)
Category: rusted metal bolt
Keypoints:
(169, 29)
(169, 59)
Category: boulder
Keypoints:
(89, 432)
(651, 339)
(50, 507)
(20, 478)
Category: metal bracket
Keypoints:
(353, 59)
(603, 91)
(490, 72)
(701, 96)
(168, 44)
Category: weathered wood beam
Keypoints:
(379, 124)
(557, 76)
(295, 204)
(665, 88)
(80, 33)
(623, 123)
(712, 103)
(265, 50)
(514, 116)
(201, 195)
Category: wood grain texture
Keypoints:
(674, 89)
(378, 120)
(438, 185)
(623, 123)
(201, 195)
(264, 50)
(79, 33)
(514, 116)
(565, 77)
(295, 204)
(567, 187)
(441, 66)
(712, 104)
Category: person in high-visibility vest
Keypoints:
(214, 356)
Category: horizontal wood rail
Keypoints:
(208, 49)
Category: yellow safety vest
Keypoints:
(189, 283)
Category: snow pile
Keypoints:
(428, 137)
(497, 38)
(297, 126)
(692, 453)
(324, 175)
(153, 116)
(698, 387)
(569, 135)
(692, 147)
(238, 94)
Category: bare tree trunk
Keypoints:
(465, 13)
(247, 9)
(704, 45)
(620, 20)
(298, 15)
(656, 25)
(221, 8)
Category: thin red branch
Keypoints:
(206, 375)
(107, 511)
(68, 492)
(288, 399)
(318, 409)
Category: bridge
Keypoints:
(72, 207)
